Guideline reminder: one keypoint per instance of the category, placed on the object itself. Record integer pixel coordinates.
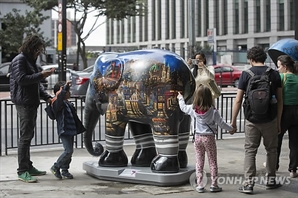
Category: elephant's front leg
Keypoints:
(145, 147)
(171, 147)
(114, 155)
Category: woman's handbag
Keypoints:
(207, 78)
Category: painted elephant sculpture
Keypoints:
(139, 88)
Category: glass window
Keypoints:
(292, 14)
(158, 21)
(173, 17)
(88, 69)
(236, 24)
(258, 16)
(182, 17)
(153, 20)
(146, 24)
(227, 69)
(167, 29)
(245, 16)
(225, 25)
(217, 69)
(281, 15)
(4, 69)
(268, 16)
(129, 30)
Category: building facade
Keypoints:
(239, 25)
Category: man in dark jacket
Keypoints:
(25, 92)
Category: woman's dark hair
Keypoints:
(202, 55)
(58, 85)
(290, 64)
(31, 45)
(257, 54)
(203, 98)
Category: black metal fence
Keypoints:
(46, 129)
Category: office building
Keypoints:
(239, 25)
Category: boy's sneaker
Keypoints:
(56, 172)
(200, 189)
(215, 189)
(34, 172)
(26, 177)
(273, 185)
(67, 175)
(247, 189)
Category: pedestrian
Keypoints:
(267, 128)
(288, 69)
(68, 125)
(203, 75)
(205, 118)
(75, 67)
(25, 92)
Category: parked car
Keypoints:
(80, 81)
(4, 77)
(226, 75)
(53, 79)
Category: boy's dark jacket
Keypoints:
(68, 122)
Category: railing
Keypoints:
(46, 129)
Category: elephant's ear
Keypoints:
(113, 74)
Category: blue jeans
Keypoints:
(27, 115)
(65, 158)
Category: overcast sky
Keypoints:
(96, 38)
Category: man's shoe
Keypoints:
(247, 189)
(34, 172)
(56, 172)
(215, 189)
(273, 185)
(293, 174)
(67, 175)
(26, 177)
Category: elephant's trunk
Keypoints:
(91, 118)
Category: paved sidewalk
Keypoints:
(230, 160)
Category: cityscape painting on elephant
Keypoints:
(139, 88)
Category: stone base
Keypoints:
(139, 175)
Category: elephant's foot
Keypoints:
(115, 159)
(183, 160)
(143, 157)
(165, 164)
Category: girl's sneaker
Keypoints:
(215, 189)
(200, 189)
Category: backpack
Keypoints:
(50, 112)
(258, 106)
